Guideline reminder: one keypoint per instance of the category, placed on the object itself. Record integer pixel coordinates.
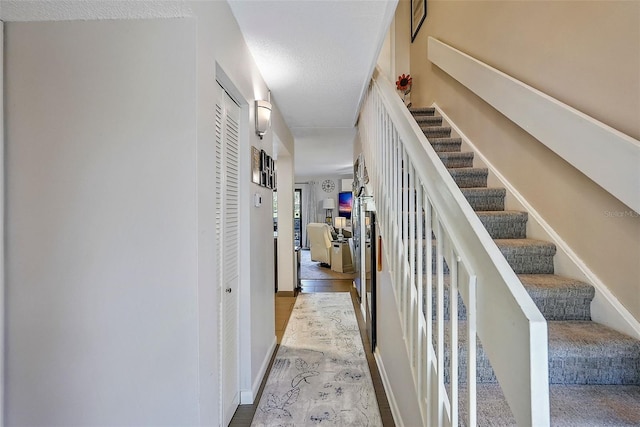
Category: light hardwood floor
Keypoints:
(284, 306)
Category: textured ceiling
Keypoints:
(316, 56)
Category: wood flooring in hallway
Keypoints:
(283, 307)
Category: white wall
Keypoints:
(394, 58)
(222, 49)
(101, 223)
(219, 47)
(286, 265)
(519, 39)
(393, 359)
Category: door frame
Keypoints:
(243, 293)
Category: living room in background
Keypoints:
(297, 217)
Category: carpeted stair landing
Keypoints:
(594, 371)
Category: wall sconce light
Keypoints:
(340, 222)
(263, 117)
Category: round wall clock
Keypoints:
(328, 185)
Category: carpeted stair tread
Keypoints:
(580, 352)
(446, 144)
(527, 246)
(558, 297)
(505, 224)
(485, 198)
(594, 405)
(422, 111)
(583, 352)
(570, 406)
(528, 256)
(457, 159)
(437, 131)
(470, 177)
(428, 120)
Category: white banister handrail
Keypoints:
(607, 156)
(512, 330)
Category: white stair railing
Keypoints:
(425, 221)
(576, 137)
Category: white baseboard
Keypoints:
(605, 308)
(387, 388)
(247, 397)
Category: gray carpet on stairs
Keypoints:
(437, 131)
(570, 406)
(456, 159)
(429, 121)
(528, 256)
(418, 111)
(594, 371)
(580, 352)
(559, 298)
(446, 144)
(485, 199)
(469, 177)
(505, 224)
(585, 352)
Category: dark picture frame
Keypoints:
(263, 168)
(266, 173)
(418, 14)
(273, 174)
(255, 165)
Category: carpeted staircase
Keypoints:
(594, 371)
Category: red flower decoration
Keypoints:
(403, 82)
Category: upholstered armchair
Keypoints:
(320, 242)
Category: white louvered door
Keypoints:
(227, 237)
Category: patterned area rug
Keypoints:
(311, 270)
(320, 374)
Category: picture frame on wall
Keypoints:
(269, 176)
(273, 174)
(263, 160)
(418, 14)
(255, 165)
(263, 168)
